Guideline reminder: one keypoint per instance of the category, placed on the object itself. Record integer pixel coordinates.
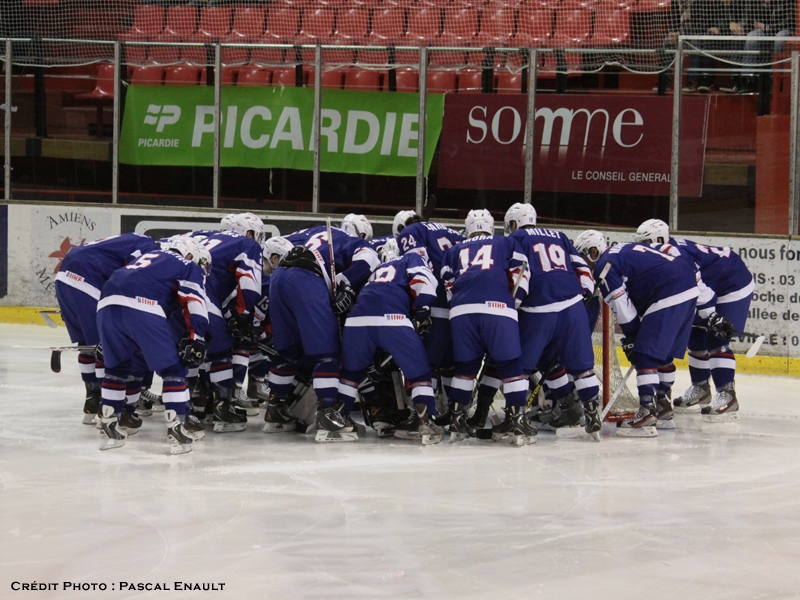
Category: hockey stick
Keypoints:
(535, 392)
(617, 393)
(755, 347)
(55, 353)
(331, 256)
(49, 321)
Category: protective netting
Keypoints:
(607, 368)
(637, 35)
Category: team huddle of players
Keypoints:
(422, 327)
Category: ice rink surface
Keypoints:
(696, 513)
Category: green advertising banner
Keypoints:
(375, 133)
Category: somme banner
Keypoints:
(375, 133)
(582, 143)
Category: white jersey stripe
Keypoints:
(153, 309)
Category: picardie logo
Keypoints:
(170, 113)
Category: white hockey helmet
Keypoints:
(246, 222)
(191, 249)
(653, 231)
(226, 222)
(521, 214)
(357, 226)
(275, 246)
(400, 219)
(589, 240)
(479, 221)
(389, 250)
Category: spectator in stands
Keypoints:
(765, 18)
(692, 17)
(732, 17)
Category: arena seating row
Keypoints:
(573, 23)
(351, 78)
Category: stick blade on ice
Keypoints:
(755, 347)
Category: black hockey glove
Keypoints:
(240, 328)
(266, 345)
(422, 320)
(720, 326)
(627, 347)
(192, 352)
(343, 300)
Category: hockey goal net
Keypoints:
(607, 367)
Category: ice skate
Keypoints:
(227, 418)
(111, 434)
(194, 427)
(257, 390)
(130, 422)
(642, 424)
(515, 430)
(333, 426)
(664, 413)
(567, 423)
(482, 406)
(695, 398)
(277, 418)
(724, 407)
(459, 428)
(158, 404)
(542, 417)
(241, 401)
(91, 407)
(381, 418)
(419, 426)
(180, 440)
(591, 415)
(144, 408)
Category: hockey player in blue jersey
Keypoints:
(79, 282)
(391, 308)
(653, 296)
(432, 241)
(304, 311)
(480, 274)
(233, 287)
(552, 319)
(132, 317)
(727, 288)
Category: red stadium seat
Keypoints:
(534, 28)
(286, 77)
(611, 27)
(148, 22)
(460, 29)
(248, 25)
(407, 80)
(470, 82)
(282, 26)
(215, 24)
(399, 3)
(331, 79)
(104, 88)
(423, 29)
(388, 28)
(497, 28)
(184, 74)
(573, 28)
(181, 23)
(148, 75)
(498, 4)
(352, 28)
(440, 82)
(317, 26)
(371, 4)
(362, 79)
(328, 3)
(253, 76)
(509, 83)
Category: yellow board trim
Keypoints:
(758, 365)
(27, 315)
